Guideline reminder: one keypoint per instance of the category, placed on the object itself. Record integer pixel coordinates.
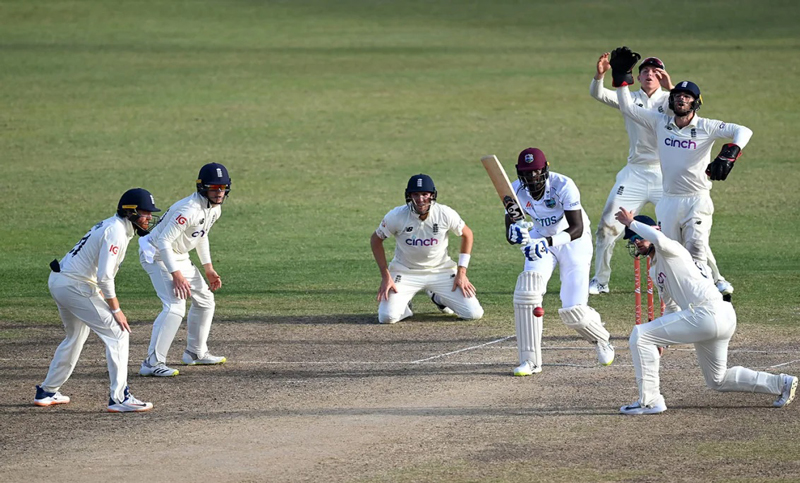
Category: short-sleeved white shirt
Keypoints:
(684, 152)
(642, 150)
(560, 195)
(421, 245)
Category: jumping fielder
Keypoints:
(164, 255)
(559, 235)
(684, 147)
(82, 284)
(421, 228)
(696, 314)
(639, 182)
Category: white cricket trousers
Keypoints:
(201, 312)
(81, 308)
(636, 185)
(709, 327)
(396, 308)
(574, 262)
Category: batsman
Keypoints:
(559, 235)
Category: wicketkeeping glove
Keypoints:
(518, 233)
(722, 165)
(536, 250)
(622, 61)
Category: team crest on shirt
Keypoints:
(409, 229)
(694, 132)
(435, 228)
(661, 109)
(549, 203)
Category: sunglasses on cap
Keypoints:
(217, 187)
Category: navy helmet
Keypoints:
(132, 202)
(213, 174)
(690, 88)
(420, 183)
(641, 219)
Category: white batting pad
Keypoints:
(527, 296)
(530, 288)
(585, 321)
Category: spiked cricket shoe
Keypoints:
(158, 370)
(192, 359)
(636, 408)
(596, 288)
(605, 352)
(787, 392)
(129, 405)
(527, 368)
(44, 398)
(442, 308)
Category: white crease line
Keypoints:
(463, 350)
(784, 364)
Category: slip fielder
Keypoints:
(684, 145)
(82, 284)
(640, 181)
(164, 255)
(696, 314)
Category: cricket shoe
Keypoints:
(787, 392)
(191, 359)
(128, 405)
(442, 308)
(605, 352)
(724, 286)
(636, 408)
(596, 288)
(527, 368)
(44, 398)
(158, 370)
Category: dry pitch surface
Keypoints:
(430, 399)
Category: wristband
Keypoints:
(463, 260)
(561, 238)
(116, 310)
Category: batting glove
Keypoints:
(518, 233)
(536, 250)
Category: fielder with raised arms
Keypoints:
(559, 235)
(696, 314)
(421, 262)
(82, 284)
(639, 182)
(164, 255)
(684, 145)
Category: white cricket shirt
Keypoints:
(96, 257)
(560, 195)
(642, 150)
(421, 245)
(684, 152)
(183, 228)
(679, 279)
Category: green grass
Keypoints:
(322, 110)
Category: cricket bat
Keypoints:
(503, 186)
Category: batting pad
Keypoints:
(530, 288)
(527, 296)
(585, 321)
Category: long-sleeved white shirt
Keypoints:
(679, 279)
(642, 150)
(684, 152)
(97, 256)
(183, 228)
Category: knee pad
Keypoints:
(585, 321)
(530, 288)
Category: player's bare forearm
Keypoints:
(575, 220)
(467, 238)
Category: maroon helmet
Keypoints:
(530, 160)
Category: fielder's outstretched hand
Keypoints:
(602, 64)
(624, 216)
(214, 281)
(461, 281)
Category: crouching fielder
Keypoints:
(696, 315)
(421, 262)
(559, 235)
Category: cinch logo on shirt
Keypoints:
(677, 143)
(419, 242)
